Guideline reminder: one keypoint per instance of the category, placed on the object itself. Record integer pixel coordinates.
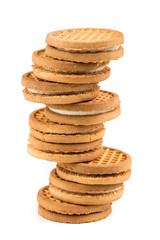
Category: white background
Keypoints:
(136, 78)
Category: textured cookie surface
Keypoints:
(71, 78)
(47, 201)
(63, 147)
(85, 39)
(77, 187)
(66, 218)
(60, 98)
(74, 138)
(111, 161)
(31, 82)
(104, 101)
(40, 59)
(83, 119)
(64, 157)
(91, 179)
(39, 122)
(84, 57)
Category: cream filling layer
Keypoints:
(91, 71)
(79, 113)
(92, 50)
(55, 93)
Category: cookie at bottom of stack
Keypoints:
(60, 211)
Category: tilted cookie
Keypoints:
(111, 161)
(47, 201)
(40, 59)
(66, 218)
(112, 167)
(64, 157)
(58, 182)
(62, 147)
(41, 91)
(103, 108)
(85, 57)
(39, 122)
(71, 78)
(86, 198)
(85, 39)
(85, 137)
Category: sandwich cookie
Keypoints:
(66, 218)
(58, 182)
(85, 57)
(40, 59)
(39, 122)
(47, 131)
(103, 108)
(69, 157)
(71, 78)
(49, 93)
(47, 201)
(41, 91)
(64, 147)
(86, 198)
(112, 167)
(85, 39)
(95, 196)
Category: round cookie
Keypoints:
(86, 137)
(85, 57)
(58, 182)
(47, 201)
(30, 81)
(37, 96)
(66, 218)
(64, 157)
(40, 59)
(86, 198)
(111, 161)
(62, 147)
(71, 78)
(103, 108)
(91, 179)
(39, 122)
(85, 39)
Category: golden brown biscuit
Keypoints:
(40, 59)
(62, 147)
(84, 39)
(71, 78)
(66, 218)
(55, 180)
(111, 161)
(86, 198)
(47, 201)
(91, 179)
(64, 157)
(39, 122)
(85, 57)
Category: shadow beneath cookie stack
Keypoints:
(70, 129)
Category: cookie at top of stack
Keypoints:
(85, 45)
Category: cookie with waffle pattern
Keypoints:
(40, 59)
(66, 218)
(103, 108)
(47, 201)
(112, 167)
(71, 78)
(85, 39)
(41, 91)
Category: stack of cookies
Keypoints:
(70, 129)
